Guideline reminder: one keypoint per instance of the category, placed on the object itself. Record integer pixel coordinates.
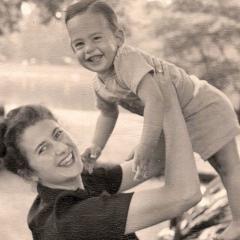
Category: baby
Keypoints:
(147, 85)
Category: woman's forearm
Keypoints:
(181, 169)
(128, 181)
(181, 190)
(153, 124)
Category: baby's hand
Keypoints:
(142, 158)
(90, 155)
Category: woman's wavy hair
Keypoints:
(94, 6)
(11, 128)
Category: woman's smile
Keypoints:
(68, 161)
(52, 153)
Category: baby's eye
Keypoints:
(97, 38)
(79, 45)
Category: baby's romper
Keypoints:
(209, 116)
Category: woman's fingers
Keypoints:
(138, 175)
(141, 170)
(135, 166)
(130, 156)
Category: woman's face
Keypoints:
(52, 154)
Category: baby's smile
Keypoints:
(96, 59)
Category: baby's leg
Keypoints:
(227, 163)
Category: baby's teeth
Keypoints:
(95, 58)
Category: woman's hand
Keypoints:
(156, 160)
(90, 155)
(144, 154)
(131, 154)
(231, 233)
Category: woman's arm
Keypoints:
(181, 190)
(151, 96)
(156, 168)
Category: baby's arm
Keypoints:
(104, 127)
(150, 94)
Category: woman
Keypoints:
(73, 204)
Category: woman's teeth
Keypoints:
(67, 161)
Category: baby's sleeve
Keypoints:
(104, 105)
(131, 67)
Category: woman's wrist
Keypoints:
(147, 144)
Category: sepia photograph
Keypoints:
(119, 120)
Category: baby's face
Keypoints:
(93, 41)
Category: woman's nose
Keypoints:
(60, 148)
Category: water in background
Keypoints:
(67, 87)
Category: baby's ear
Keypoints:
(120, 36)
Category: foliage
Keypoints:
(11, 14)
(202, 37)
(199, 35)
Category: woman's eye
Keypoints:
(58, 134)
(42, 149)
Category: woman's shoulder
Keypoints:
(104, 178)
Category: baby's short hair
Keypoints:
(94, 6)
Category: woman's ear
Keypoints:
(34, 178)
(28, 175)
(119, 34)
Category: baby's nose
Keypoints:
(89, 48)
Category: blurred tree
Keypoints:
(202, 37)
(12, 11)
(9, 15)
(199, 35)
(33, 20)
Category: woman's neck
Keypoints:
(72, 184)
